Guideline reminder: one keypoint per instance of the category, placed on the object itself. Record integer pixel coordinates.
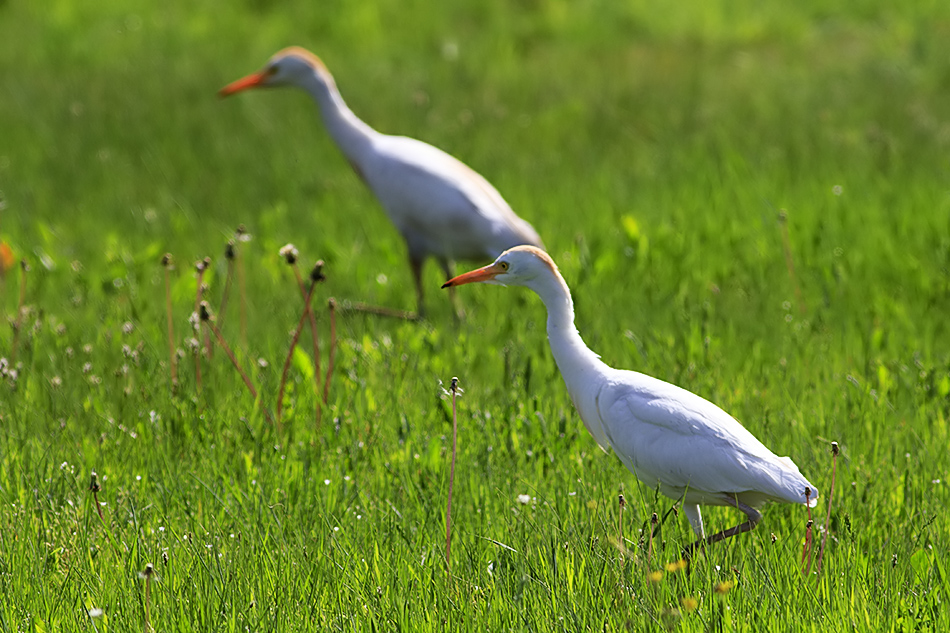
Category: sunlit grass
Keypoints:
(653, 146)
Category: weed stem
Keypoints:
(831, 492)
(326, 383)
(448, 506)
(205, 316)
(18, 323)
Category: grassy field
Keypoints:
(653, 146)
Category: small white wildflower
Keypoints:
(289, 252)
(524, 499)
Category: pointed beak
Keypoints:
(251, 81)
(486, 273)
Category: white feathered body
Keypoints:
(689, 447)
(440, 205)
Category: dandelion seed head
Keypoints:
(289, 253)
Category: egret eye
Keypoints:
(503, 265)
(271, 71)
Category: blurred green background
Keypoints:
(653, 145)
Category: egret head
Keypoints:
(291, 66)
(518, 266)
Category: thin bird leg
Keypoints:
(695, 516)
(449, 271)
(754, 517)
(416, 266)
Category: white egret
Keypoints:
(668, 437)
(441, 207)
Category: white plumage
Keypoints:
(441, 207)
(668, 437)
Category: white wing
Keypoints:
(671, 437)
(440, 205)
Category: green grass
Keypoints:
(652, 146)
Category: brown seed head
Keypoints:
(167, 260)
(654, 519)
(783, 216)
(229, 250)
(94, 482)
(834, 449)
(289, 253)
(316, 275)
(622, 501)
(204, 311)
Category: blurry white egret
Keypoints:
(668, 437)
(440, 206)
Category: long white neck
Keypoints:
(583, 371)
(578, 364)
(353, 136)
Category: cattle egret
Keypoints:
(440, 206)
(668, 437)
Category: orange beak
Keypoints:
(486, 273)
(251, 81)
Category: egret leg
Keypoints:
(695, 517)
(416, 265)
(754, 517)
(449, 271)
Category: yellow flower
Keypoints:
(689, 604)
(679, 565)
(723, 588)
(655, 576)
